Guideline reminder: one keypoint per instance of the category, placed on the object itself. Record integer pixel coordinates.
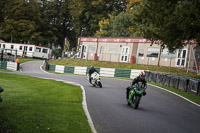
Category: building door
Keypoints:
(25, 51)
(124, 54)
(181, 58)
(79, 55)
(85, 52)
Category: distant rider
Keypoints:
(138, 79)
(91, 71)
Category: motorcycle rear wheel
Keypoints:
(100, 85)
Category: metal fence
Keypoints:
(8, 55)
(190, 61)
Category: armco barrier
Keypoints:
(69, 69)
(80, 70)
(3, 64)
(135, 73)
(59, 69)
(97, 68)
(174, 81)
(52, 68)
(183, 83)
(193, 86)
(122, 73)
(12, 66)
(108, 72)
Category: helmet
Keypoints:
(142, 75)
(91, 68)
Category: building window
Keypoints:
(20, 47)
(141, 52)
(0, 45)
(44, 50)
(30, 48)
(152, 52)
(166, 54)
(38, 49)
(4, 45)
(12, 47)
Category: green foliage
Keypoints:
(87, 14)
(49, 22)
(172, 22)
(122, 26)
(57, 52)
(19, 22)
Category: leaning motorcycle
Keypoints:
(95, 79)
(135, 94)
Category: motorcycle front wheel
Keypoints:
(136, 101)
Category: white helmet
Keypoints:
(142, 75)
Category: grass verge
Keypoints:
(22, 60)
(190, 96)
(40, 105)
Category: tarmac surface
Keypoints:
(159, 111)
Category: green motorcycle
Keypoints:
(135, 94)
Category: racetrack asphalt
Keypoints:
(159, 111)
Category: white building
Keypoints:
(27, 50)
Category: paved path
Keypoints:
(159, 111)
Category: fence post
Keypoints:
(170, 62)
(2, 55)
(148, 61)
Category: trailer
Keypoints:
(26, 50)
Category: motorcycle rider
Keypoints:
(141, 79)
(91, 71)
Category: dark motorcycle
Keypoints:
(135, 94)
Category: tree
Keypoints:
(19, 21)
(56, 22)
(121, 25)
(172, 22)
(86, 15)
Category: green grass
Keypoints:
(40, 105)
(81, 62)
(190, 96)
(22, 60)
